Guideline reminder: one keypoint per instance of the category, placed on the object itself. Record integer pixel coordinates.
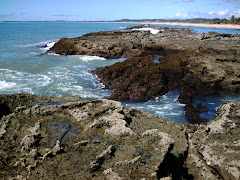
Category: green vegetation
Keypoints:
(232, 20)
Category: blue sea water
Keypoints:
(25, 68)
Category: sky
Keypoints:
(108, 10)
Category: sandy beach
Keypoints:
(225, 26)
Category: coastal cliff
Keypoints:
(49, 138)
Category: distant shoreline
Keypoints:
(224, 26)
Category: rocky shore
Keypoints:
(72, 138)
(201, 64)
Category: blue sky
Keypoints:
(79, 10)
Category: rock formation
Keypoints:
(72, 138)
(115, 44)
(202, 63)
(136, 79)
(209, 73)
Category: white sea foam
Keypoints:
(90, 58)
(48, 46)
(152, 30)
(27, 90)
(165, 114)
(53, 54)
(72, 88)
(45, 80)
(48, 43)
(6, 85)
(211, 103)
(175, 113)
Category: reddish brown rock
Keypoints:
(136, 53)
(192, 114)
(136, 79)
(172, 69)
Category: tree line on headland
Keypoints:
(232, 20)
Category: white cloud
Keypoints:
(211, 13)
(223, 12)
(236, 13)
(187, 0)
(180, 15)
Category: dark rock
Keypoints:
(136, 53)
(4, 110)
(8, 103)
(201, 108)
(172, 69)
(63, 131)
(192, 114)
(135, 79)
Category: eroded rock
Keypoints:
(156, 148)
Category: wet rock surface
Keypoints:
(63, 131)
(108, 141)
(136, 79)
(192, 114)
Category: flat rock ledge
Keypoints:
(140, 41)
(72, 138)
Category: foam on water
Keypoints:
(152, 30)
(165, 106)
(42, 44)
(48, 46)
(90, 58)
(6, 85)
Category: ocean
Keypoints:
(26, 68)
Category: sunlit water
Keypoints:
(25, 68)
